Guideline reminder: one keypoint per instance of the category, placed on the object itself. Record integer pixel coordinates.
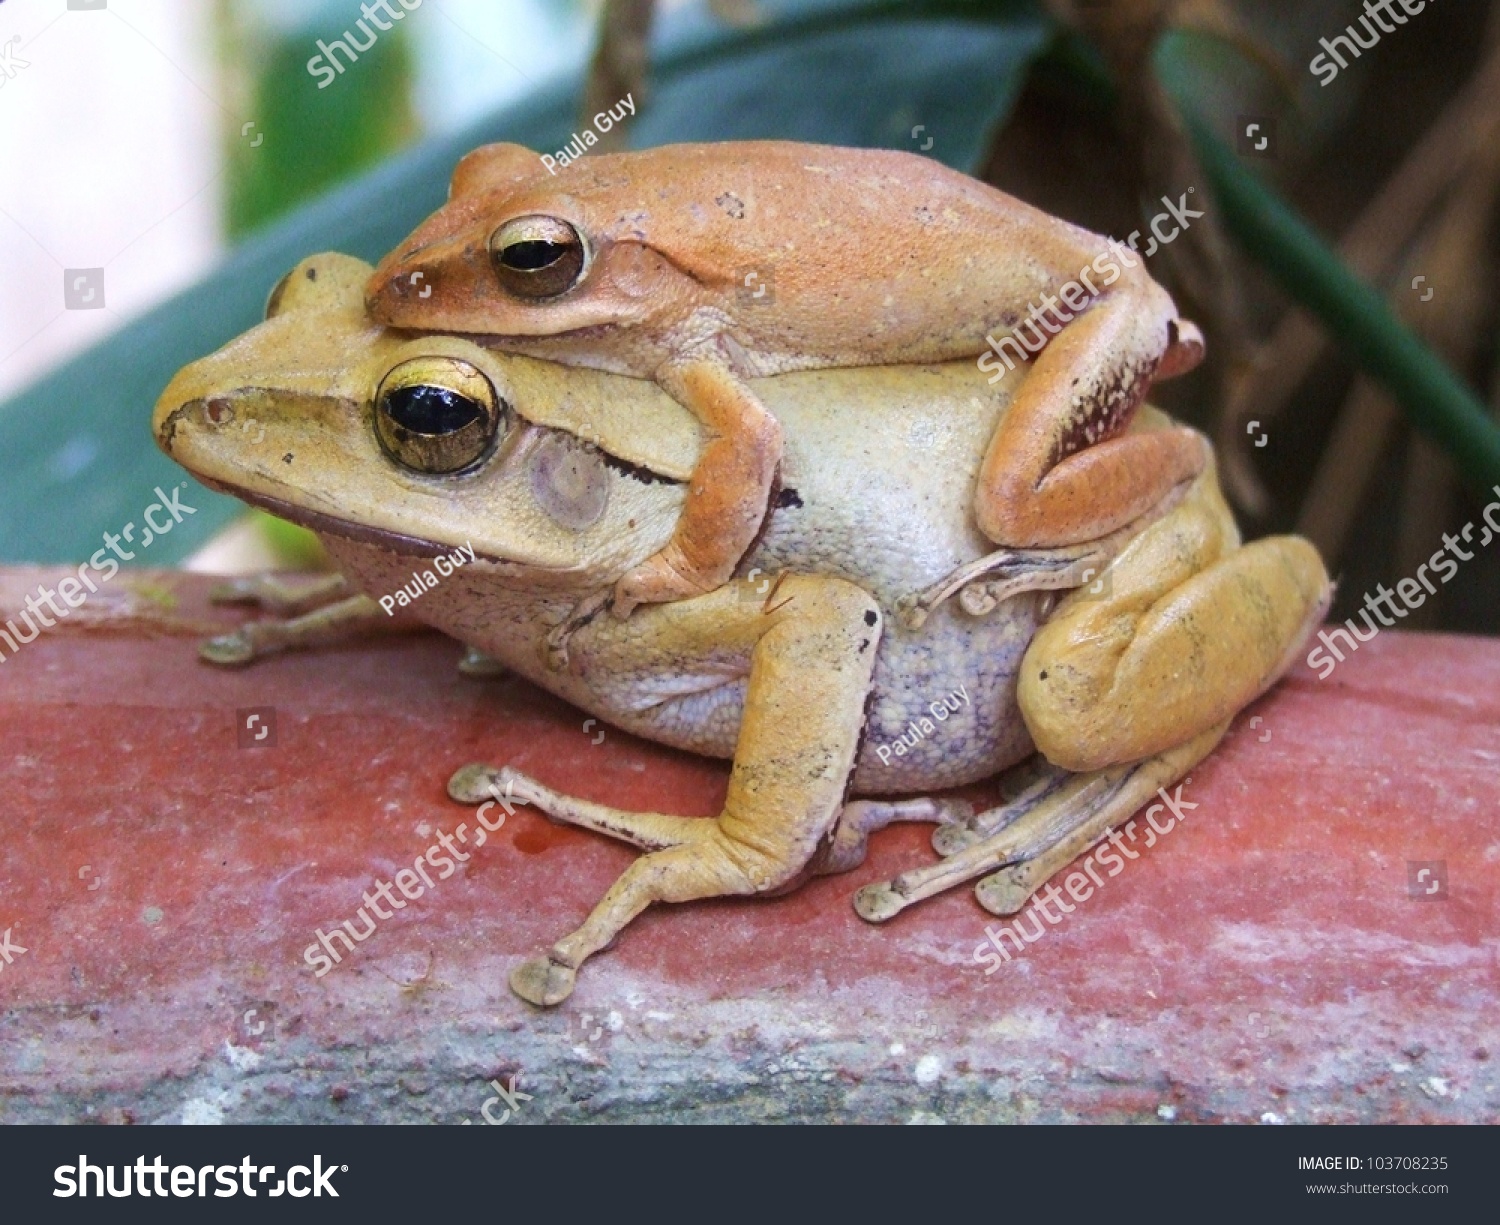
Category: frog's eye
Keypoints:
(537, 257)
(437, 414)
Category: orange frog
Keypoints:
(702, 266)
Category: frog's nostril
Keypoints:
(218, 411)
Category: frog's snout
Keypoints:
(210, 412)
(393, 296)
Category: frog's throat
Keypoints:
(317, 521)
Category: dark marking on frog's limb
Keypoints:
(555, 645)
(772, 505)
(1104, 414)
(829, 854)
(766, 607)
(731, 204)
(1060, 470)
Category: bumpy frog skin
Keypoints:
(807, 668)
(705, 266)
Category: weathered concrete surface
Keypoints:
(1265, 958)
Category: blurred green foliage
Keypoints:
(314, 138)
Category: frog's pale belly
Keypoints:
(943, 710)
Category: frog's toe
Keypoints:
(227, 650)
(476, 663)
(878, 902)
(1002, 893)
(243, 590)
(543, 982)
(477, 782)
(951, 839)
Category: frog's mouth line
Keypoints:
(317, 521)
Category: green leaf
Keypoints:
(80, 458)
(1434, 398)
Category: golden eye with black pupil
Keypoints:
(537, 257)
(437, 415)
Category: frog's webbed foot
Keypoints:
(1038, 779)
(983, 584)
(257, 639)
(288, 597)
(543, 981)
(1035, 835)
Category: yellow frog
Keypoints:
(808, 670)
(706, 266)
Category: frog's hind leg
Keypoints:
(811, 658)
(1058, 819)
(1188, 630)
(651, 831)
(1126, 690)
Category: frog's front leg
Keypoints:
(257, 639)
(1123, 693)
(1059, 470)
(811, 656)
(319, 608)
(729, 491)
(288, 597)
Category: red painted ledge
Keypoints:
(1274, 958)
